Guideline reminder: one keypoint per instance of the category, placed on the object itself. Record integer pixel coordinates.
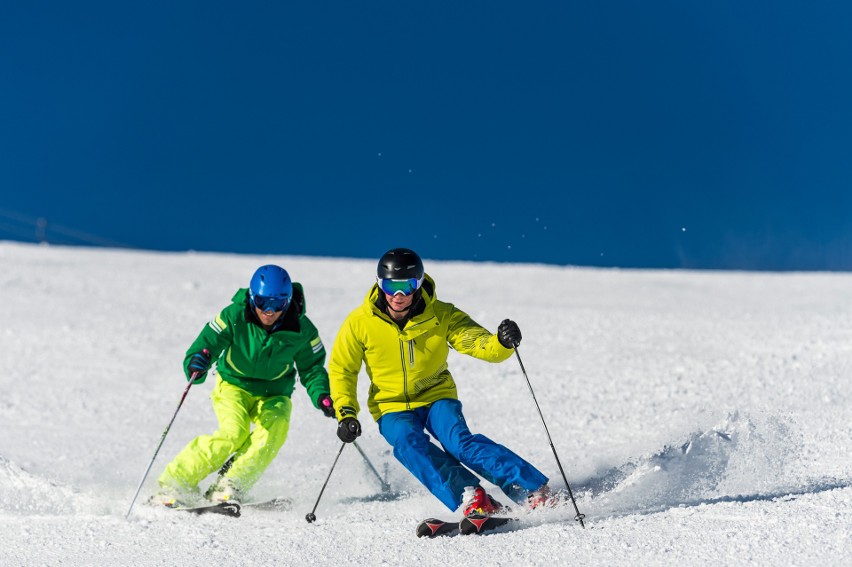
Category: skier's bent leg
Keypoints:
(206, 453)
(494, 462)
(271, 425)
(441, 473)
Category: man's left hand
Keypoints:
(509, 334)
(326, 406)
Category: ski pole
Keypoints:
(385, 486)
(310, 516)
(579, 517)
(192, 379)
(227, 466)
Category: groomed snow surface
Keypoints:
(700, 417)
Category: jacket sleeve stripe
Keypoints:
(218, 324)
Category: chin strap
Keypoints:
(388, 305)
(415, 301)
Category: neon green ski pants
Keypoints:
(254, 448)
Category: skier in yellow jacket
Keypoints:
(403, 333)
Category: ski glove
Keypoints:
(200, 362)
(348, 430)
(509, 334)
(326, 406)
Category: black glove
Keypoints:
(200, 362)
(348, 430)
(509, 334)
(326, 406)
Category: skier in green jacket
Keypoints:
(259, 343)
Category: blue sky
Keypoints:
(633, 134)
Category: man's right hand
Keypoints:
(200, 362)
(348, 429)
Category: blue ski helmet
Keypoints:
(270, 288)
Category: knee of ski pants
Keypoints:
(233, 407)
(273, 415)
(403, 430)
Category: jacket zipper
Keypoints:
(404, 374)
(402, 357)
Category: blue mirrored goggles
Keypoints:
(270, 304)
(394, 287)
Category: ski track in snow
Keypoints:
(700, 417)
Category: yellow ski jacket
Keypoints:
(407, 367)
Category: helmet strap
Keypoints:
(408, 311)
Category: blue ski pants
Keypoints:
(443, 471)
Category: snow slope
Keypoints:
(701, 418)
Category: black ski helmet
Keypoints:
(400, 264)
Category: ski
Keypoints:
(477, 524)
(231, 509)
(433, 527)
(234, 509)
(278, 504)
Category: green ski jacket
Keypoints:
(265, 363)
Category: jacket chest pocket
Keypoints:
(424, 350)
(411, 353)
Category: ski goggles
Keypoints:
(270, 304)
(394, 287)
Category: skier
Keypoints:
(403, 333)
(259, 342)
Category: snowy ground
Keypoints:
(702, 418)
